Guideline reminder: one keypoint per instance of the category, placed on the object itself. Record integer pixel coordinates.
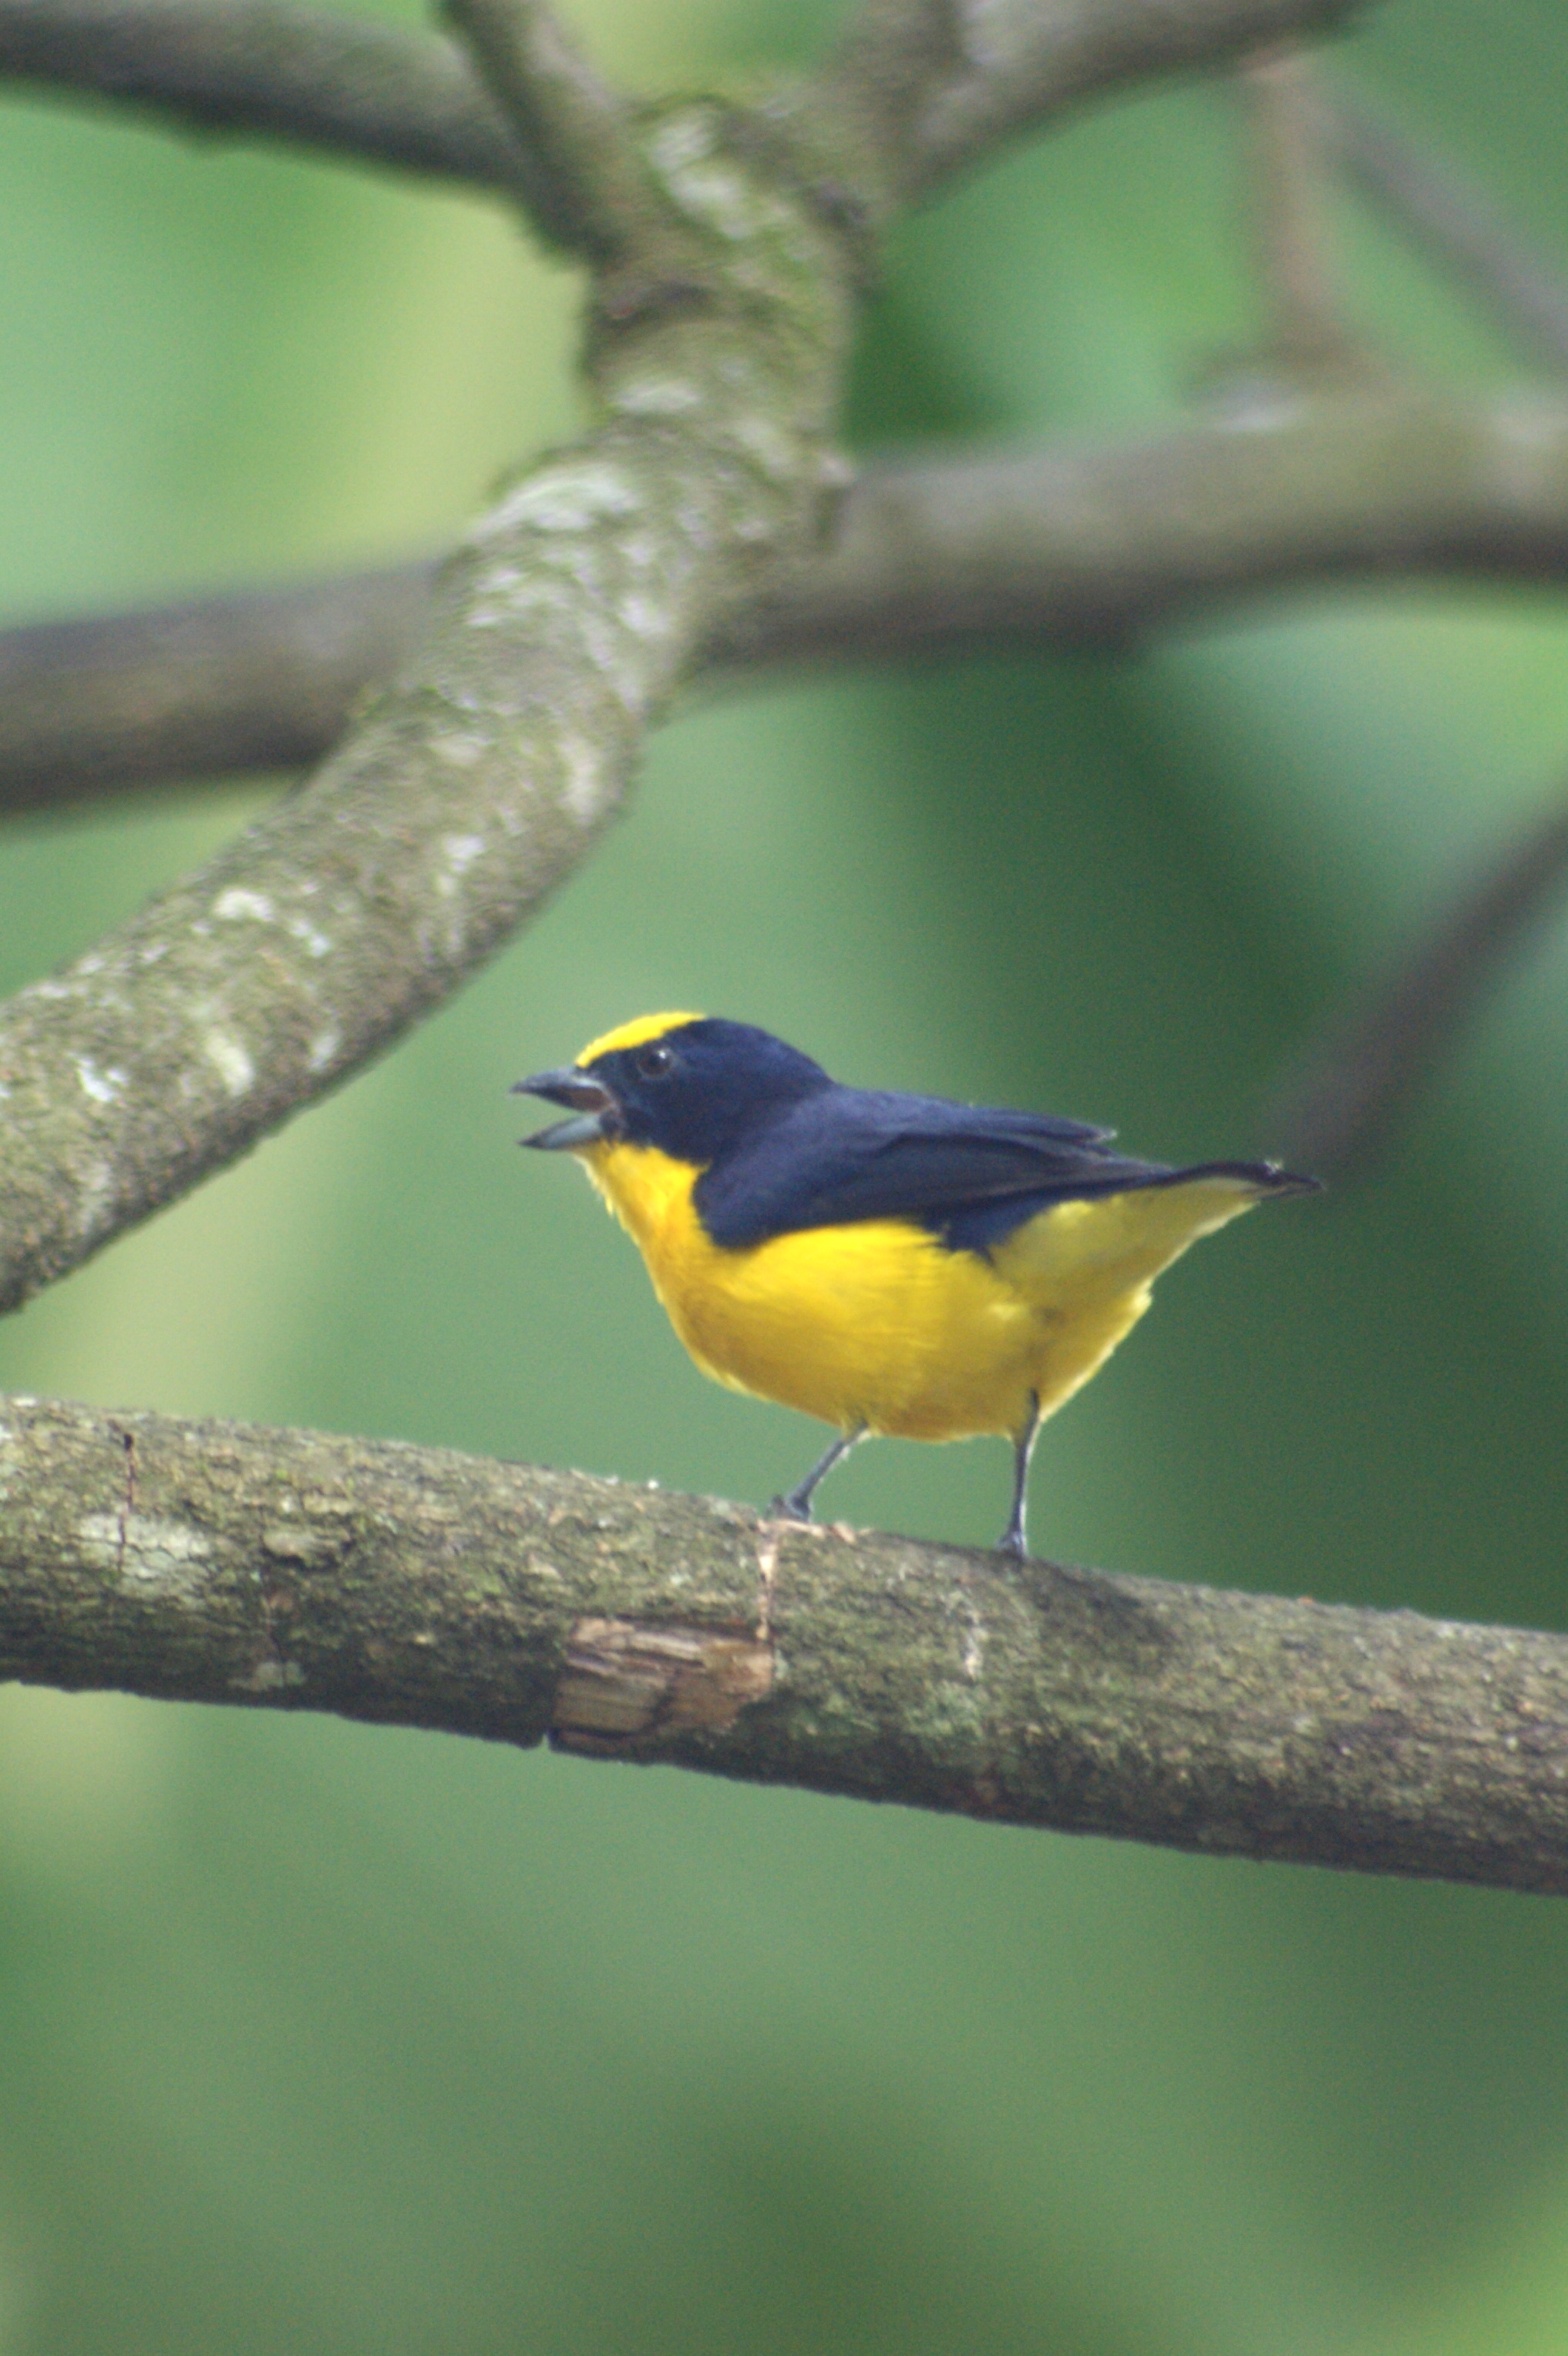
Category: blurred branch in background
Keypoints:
(1085, 546)
(222, 1562)
(355, 91)
(981, 78)
(584, 188)
(342, 85)
(348, 87)
(1305, 330)
(1335, 1106)
(211, 687)
(1453, 221)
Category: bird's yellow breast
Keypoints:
(879, 1324)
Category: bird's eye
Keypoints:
(654, 1063)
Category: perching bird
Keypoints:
(887, 1263)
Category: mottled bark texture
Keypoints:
(217, 1562)
(503, 748)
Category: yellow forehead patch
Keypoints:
(635, 1034)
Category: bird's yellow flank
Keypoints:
(884, 1262)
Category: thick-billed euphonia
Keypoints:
(888, 1263)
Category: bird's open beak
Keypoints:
(593, 1105)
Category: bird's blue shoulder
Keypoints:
(970, 1173)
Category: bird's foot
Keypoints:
(789, 1509)
(1012, 1541)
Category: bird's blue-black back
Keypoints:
(782, 1146)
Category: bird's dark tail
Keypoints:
(1264, 1177)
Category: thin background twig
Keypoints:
(1335, 1106)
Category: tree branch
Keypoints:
(1454, 223)
(344, 85)
(357, 90)
(571, 125)
(893, 59)
(367, 92)
(210, 687)
(984, 76)
(1096, 545)
(482, 776)
(218, 1562)
(570, 615)
(1336, 1105)
(1305, 330)
(1073, 546)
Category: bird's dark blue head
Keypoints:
(691, 1084)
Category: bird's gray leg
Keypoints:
(1012, 1540)
(796, 1506)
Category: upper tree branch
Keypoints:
(1346, 1088)
(488, 770)
(1291, 239)
(215, 1562)
(571, 125)
(916, 91)
(353, 89)
(359, 91)
(276, 69)
(573, 610)
(1453, 221)
(1080, 545)
(983, 75)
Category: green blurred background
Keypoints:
(317, 2037)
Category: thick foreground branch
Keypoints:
(219, 1562)
(483, 775)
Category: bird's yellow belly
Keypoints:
(879, 1324)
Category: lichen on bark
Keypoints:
(487, 769)
(411, 1586)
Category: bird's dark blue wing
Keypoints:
(965, 1172)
